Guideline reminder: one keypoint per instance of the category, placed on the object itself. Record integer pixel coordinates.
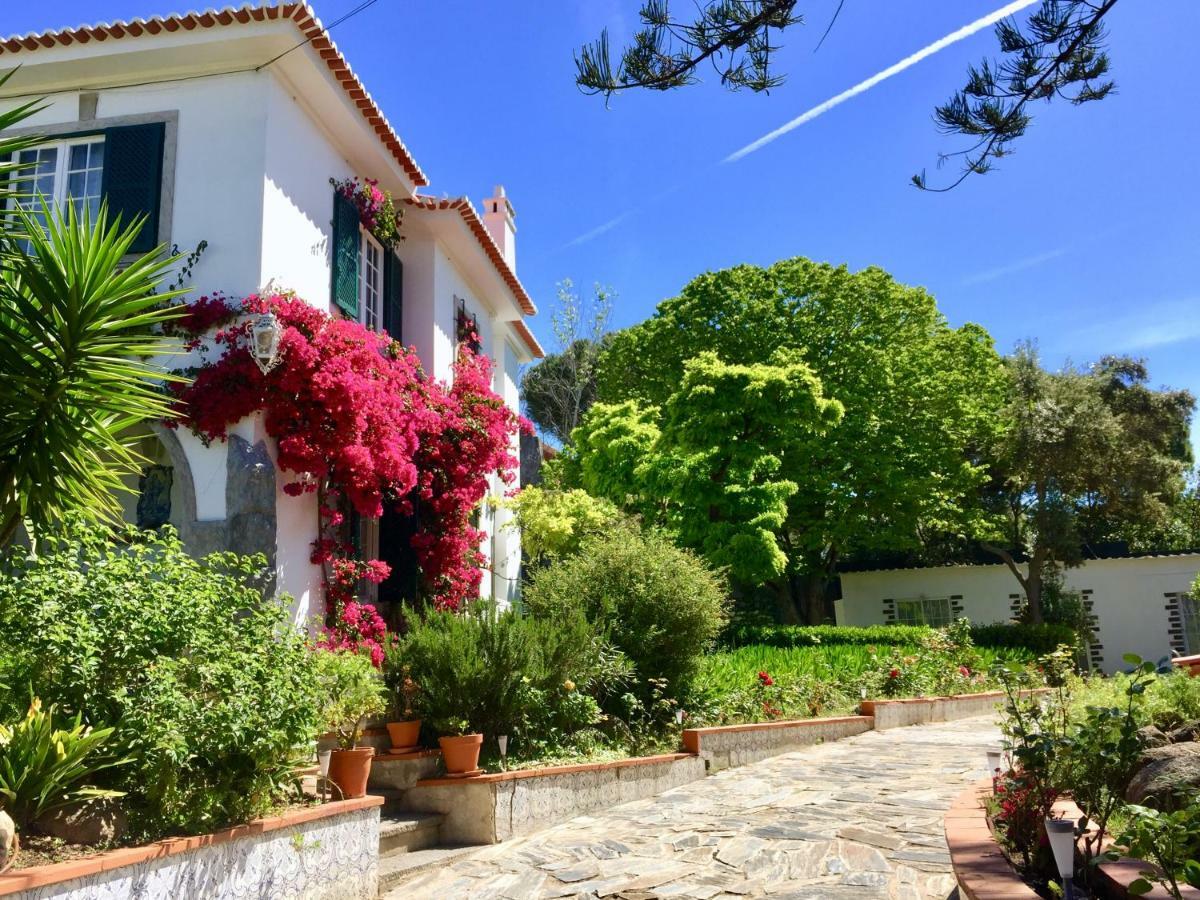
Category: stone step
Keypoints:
(406, 832)
(397, 868)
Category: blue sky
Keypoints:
(1085, 239)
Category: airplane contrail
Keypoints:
(941, 44)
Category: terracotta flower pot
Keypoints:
(461, 753)
(404, 734)
(350, 769)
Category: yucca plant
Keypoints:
(79, 337)
(42, 767)
(79, 333)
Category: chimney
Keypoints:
(498, 216)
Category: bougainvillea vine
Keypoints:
(359, 423)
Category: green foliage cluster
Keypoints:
(779, 419)
(44, 767)
(1171, 700)
(826, 677)
(1036, 639)
(556, 523)
(539, 681)
(825, 635)
(1170, 841)
(659, 605)
(208, 687)
(71, 395)
(352, 691)
(1083, 739)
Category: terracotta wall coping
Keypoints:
(984, 873)
(867, 707)
(38, 876)
(551, 771)
(982, 870)
(692, 737)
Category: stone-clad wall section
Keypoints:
(329, 852)
(493, 808)
(739, 745)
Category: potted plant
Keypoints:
(353, 693)
(460, 746)
(406, 733)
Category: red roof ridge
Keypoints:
(300, 13)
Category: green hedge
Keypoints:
(1037, 639)
(810, 635)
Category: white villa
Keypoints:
(226, 127)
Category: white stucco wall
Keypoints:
(1129, 597)
(297, 198)
(252, 164)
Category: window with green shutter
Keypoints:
(393, 296)
(132, 178)
(345, 256)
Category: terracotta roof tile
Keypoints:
(299, 12)
(464, 208)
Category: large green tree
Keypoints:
(918, 399)
(1084, 455)
(714, 463)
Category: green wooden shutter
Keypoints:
(132, 179)
(345, 256)
(393, 296)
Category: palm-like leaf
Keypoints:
(79, 333)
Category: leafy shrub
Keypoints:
(534, 680)
(556, 523)
(1169, 840)
(208, 687)
(1034, 640)
(42, 767)
(351, 692)
(825, 635)
(660, 605)
(1169, 701)
(946, 662)
(1038, 640)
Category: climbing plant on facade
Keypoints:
(359, 423)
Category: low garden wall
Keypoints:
(737, 745)
(983, 871)
(919, 710)
(328, 852)
(488, 809)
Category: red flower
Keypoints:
(354, 415)
(894, 673)
(765, 679)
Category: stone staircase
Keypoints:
(409, 842)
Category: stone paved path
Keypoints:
(858, 818)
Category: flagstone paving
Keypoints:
(857, 818)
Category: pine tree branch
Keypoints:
(1066, 68)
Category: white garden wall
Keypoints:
(1132, 599)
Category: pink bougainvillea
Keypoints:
(358, 422)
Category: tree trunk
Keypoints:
(814, 597)
(785, 600)
(1033, 589)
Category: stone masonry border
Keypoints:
(922, 710)
(736, 745)
(328, 851)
